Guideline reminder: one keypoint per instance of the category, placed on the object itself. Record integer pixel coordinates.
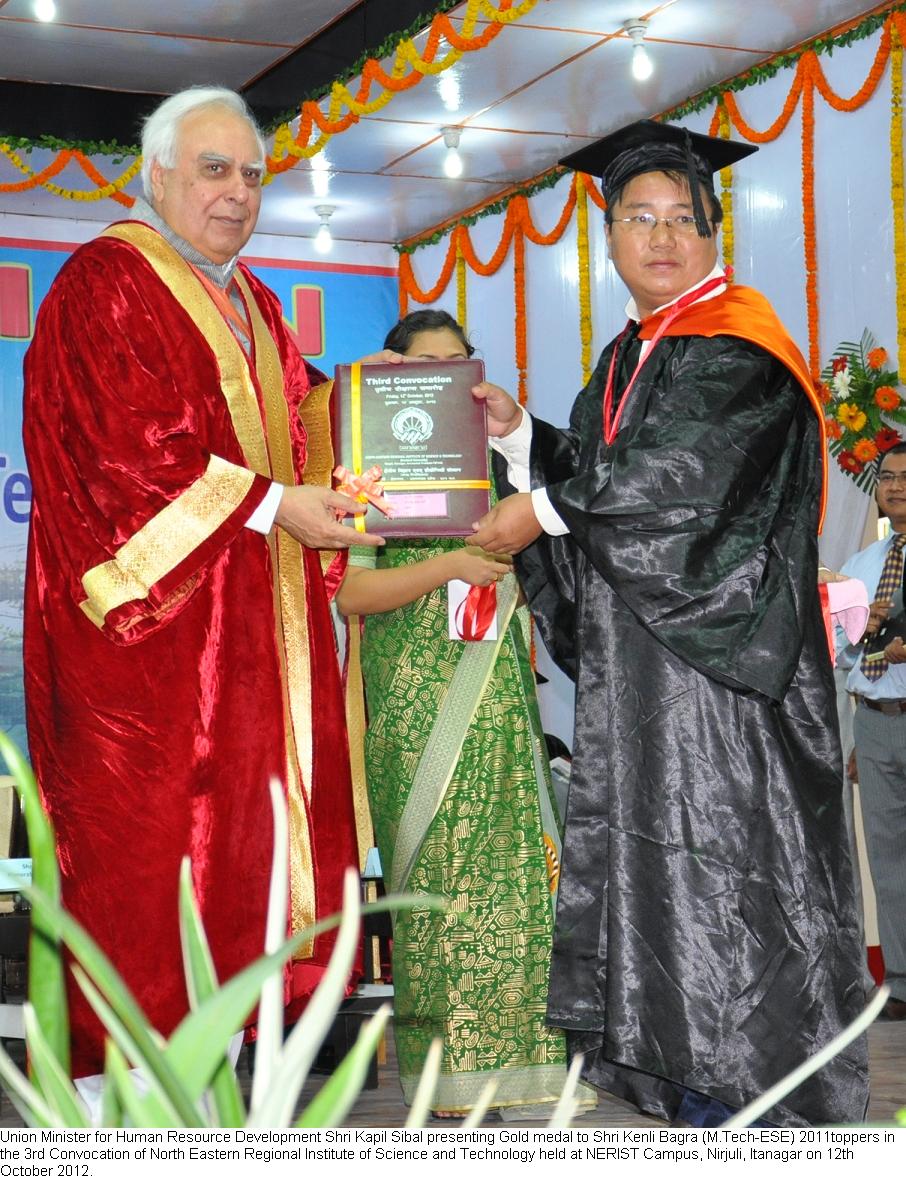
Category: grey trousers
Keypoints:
(881, 759)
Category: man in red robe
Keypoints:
(178, 639)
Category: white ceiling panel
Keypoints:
(765, 25)
(544, 85)
(284, 21)
(368, 207)
(120, 61)
(598, 92)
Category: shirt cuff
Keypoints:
(516, 448)
(262, 518)
(547, 513)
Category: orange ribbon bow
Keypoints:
(364, 488)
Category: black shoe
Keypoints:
(894, 1010)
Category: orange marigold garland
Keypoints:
(519, 304)
(808, 211)
(408, 69)
(867, 88)
(896, 189)
(779, 125)
(862, 400)
(43, 179)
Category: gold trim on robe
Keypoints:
(314, 413)
(269, 453)
(291, 603)
(166, 540)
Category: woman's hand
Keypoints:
(477, 567)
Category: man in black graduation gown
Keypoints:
(706, 939)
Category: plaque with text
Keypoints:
(419, 423)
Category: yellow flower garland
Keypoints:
(582, 254)
(726, 195)
(74, 193)
(96, 193)
(896, 190)
(289, 148)
(461, 309)
(316, 129)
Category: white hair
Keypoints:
(160, 132)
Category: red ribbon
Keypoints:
(824, 598)
(476, 612)
(611, 422)
(364, 488)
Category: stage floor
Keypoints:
(383, 1106)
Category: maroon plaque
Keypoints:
(420, 424)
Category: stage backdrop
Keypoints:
(338, 310)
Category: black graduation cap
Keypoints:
(647, 146)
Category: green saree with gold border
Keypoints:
(462, 806)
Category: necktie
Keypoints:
(891, 580)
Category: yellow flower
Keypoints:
(851, 416)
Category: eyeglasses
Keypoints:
(887, 478)
(646, 223)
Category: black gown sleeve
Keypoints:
(701, 516)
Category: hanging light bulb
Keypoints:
(45, 9)
(323, 242)
(642, 66)
(452, 160)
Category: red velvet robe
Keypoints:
(173, 657)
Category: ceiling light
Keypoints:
(323, 240)
(452, 160)
(642, 67)
(45, 9)
(449, 90)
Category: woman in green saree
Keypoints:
(461, 800)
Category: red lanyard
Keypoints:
(611, 420)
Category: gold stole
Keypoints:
(267, 450)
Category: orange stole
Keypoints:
(745, 313)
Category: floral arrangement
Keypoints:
(862, 403)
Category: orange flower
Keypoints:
(851, 416)
(834, 429)
(865, 450)
(887, 397)
(877, 358)
(823, 391)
